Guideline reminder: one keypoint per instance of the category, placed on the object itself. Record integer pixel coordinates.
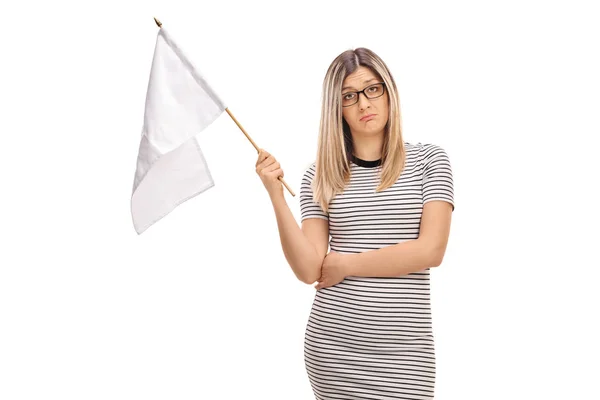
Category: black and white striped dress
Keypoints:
(371, 337)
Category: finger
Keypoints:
(260, 160)
(270, 173)
(270, 160)
(262, 155)
(259, 157)
(272, 168)
(276, 173)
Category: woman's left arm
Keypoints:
(414, 255)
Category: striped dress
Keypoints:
(371, 337)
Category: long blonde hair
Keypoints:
(335, 146)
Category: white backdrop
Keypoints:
(203, 304)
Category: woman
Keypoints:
(387, 205)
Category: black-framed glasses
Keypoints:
(371, 92)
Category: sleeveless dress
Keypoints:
(371, 337)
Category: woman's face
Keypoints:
(364, 78)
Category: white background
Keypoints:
(203, 304)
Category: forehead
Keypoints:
(359, 78)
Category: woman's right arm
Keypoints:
(304, 247)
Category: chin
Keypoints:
(374, 129)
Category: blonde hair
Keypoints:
(334, 149)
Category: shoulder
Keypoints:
(412, 149)
(309, 172)
(424, 151)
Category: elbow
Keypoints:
(311, 274)
(436, 256)
(304, 273)
(309, 279)
(436, 262)
(308, 269)
(312, 270)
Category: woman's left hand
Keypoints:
(333, 270)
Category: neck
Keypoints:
(368, 148)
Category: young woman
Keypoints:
(387, 205)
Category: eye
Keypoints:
(349, 96)
(373, 89)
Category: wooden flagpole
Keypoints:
(159, 24)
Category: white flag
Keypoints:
(170, 165)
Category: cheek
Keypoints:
(347, 116)
(386, 110)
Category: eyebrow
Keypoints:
(367, 81)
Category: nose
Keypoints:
(363, 101)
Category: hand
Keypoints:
(269, 171)
(333, 270)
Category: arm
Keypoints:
(304, 248)
(415, 255)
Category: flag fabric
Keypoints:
(171, 167)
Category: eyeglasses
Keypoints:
(370, 92)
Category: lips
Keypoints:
(367, 117)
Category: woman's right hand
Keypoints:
(269, 171)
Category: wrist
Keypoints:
(351, 264)
(277, 198)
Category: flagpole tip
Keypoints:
(158, 22)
